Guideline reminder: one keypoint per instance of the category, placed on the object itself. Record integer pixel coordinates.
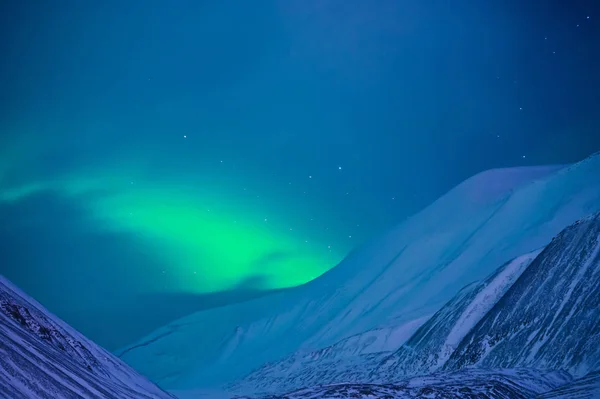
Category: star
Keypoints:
(265, 219)
(523, 157)
(184, 136)
(310, 177)
(339, 168)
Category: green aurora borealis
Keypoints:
(158, 160)
(212, 247)
(121, 226)
(208, 239)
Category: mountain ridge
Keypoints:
(445, 343)
(43, 357)
(549, 317)
(377, 286)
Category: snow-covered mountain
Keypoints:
(382, 293)
(550, 317)
(42, 357)
(540, 310)
(425, 352)
(431, 346)
(467, 384)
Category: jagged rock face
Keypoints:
(41, 327)
(42, 357)
(550, 318)
(469, 384)
(432, 344)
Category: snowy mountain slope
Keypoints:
(431, 346)
(402, 276)
(550, 318)
(468, 384)
(587, 387)
(425, 352)
(297, 371)
(435, 341)
(42, 357)
(351, 359)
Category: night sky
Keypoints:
(159, 157)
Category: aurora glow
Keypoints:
(181, 158)
(213, 247)
(208, 241)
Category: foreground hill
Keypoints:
(377, 298)
(42, 357)
(468, 384)
(587, 387)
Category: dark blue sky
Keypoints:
(329, 120)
